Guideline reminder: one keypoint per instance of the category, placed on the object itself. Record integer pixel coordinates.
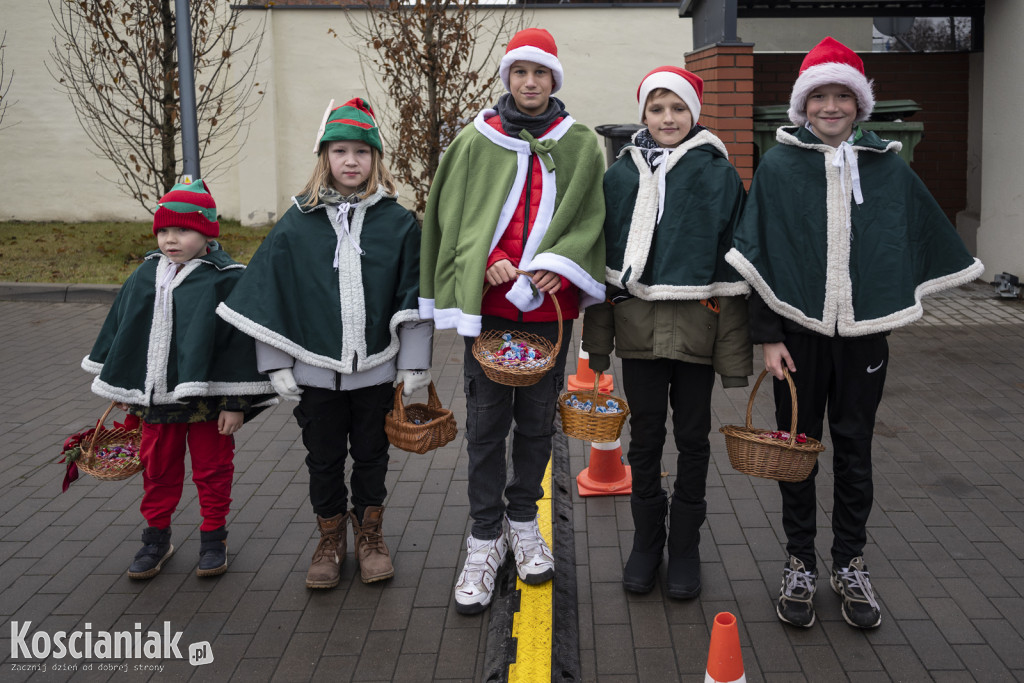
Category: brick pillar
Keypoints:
(728, 107)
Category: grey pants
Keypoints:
(491, 408)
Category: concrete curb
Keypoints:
(54, 292)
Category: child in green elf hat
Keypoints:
(840, 240)
(676, 315)
(189, 377)
(331, 299)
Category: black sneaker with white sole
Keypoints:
(853, 584)
(796, 596)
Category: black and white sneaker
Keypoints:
(853, 584)
(796, 597)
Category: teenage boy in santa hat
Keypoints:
(518, 189)
(676, 314)
(190, 377)
(840, 241)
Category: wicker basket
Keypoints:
(111, 469)
(752, 453)
(491, 341)
(591, 425)
(437, 424)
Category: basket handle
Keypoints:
(792, 398)
(433, 401)
(558, 311)
(597, 384)
(96, 431)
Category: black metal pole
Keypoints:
(187, 86)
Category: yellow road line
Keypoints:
(532, 625)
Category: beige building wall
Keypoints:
(306, 60)
(1001, 233)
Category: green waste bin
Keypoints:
(887, 121)
(616, 135)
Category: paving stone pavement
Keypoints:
(945, 546)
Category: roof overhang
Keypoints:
(780, 9)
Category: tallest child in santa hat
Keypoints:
(672, 200)
(520, 188)
(840, 241)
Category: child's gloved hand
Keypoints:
(414, 380)
(600, 362)
(283, 381)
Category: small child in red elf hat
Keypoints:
(331, 299)
(679, 315)
(186, 374)
(856, 241)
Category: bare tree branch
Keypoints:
(5, 83)
(436, 61)
(117, 62)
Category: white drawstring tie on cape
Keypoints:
(344, 231)
(846, 157)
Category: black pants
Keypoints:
(650, 387)
(330, 421)
(847, 376)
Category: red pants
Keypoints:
(163, 454)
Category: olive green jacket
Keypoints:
(686, 330)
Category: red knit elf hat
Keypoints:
(188, 205)
(831, 62)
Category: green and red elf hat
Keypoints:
(353, 120)
(188, 205)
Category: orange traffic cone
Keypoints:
(725, 661)
(606, 476)
(584, 377)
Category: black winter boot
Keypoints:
(156, 549)
(684, 548)
(648, 543)
(213, 552)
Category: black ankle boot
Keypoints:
(213, 552)
(156, 549)
(648, 544)
(684, 549)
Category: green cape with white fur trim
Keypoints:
(683, 255)
(156, 352)
(835, 266)
(343, 319)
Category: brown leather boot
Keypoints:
(325, 569)
(372, 553)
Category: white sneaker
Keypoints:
(534, 562)
(476, 582)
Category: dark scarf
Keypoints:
(513, 120)
(650, 148)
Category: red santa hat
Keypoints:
(831, 62)
(689, 86)
(532, 45)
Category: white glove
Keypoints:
(414, 380)
(283, 381)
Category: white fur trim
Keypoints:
(529, 53)
(591, 291)
(426, 308)
(674, 82)
(108, 391)
(91, 366)
(824, 74)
